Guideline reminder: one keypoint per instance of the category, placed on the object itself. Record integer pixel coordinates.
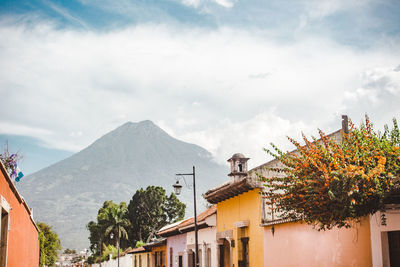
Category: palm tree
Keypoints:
(116, 223)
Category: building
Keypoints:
(141, 257)
(157, 251)
(295, 243)
(181, 240)
(19, 233)
(239, 232)
(176, 243)
(250, 233)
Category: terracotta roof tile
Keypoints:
(201, 217)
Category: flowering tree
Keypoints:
(10, 162)
(330, 183)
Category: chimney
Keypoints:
(345, 124)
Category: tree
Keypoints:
(96, 237)
(110, 218)
(69, 251)
(49, 245)
(115, 222)
(150, 209)
(332, 184)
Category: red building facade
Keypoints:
(19, 244)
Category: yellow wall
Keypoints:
(246, 206)
(144, 259)
(158, 249)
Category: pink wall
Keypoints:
(178, 244)
(297, 244)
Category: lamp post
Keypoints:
(112, 236)
(98, 248)
(177, 189)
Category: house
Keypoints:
(19, 244)
(295, 243)
(249, 233)
(176, 243)
(239, 232)
(181, 240)
(158, 250)
(141, 257)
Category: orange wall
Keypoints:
(297, 244)
(23, 245)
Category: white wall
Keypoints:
(379, 241)
(207, 237)
(125, 261)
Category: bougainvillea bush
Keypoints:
(332, 183)
(10, 161)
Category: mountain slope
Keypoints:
(68, 194)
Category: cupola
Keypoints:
(238, 166)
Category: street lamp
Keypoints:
(97, 248)
(177, 189)
(112, 236)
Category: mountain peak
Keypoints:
(130, 132)
(133, 156)
(138, 124)
(142, 126)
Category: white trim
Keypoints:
(4, 204)
(379, 245)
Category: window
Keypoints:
(170, 257)
(244, 262)
(180, 264)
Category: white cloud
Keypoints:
(18, 129)
(203, 3)
(193, 3)
(224, 3)
(228, 90)
(321, 8)
(315, 10)
(249, 137)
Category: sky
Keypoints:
(228, 75)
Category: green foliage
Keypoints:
(331, 184)
(49, 245)
(109, 250)
(69, 251)
(150, 209)
(139, 244)
(42, 254)
(113, 218)
(110, 217)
